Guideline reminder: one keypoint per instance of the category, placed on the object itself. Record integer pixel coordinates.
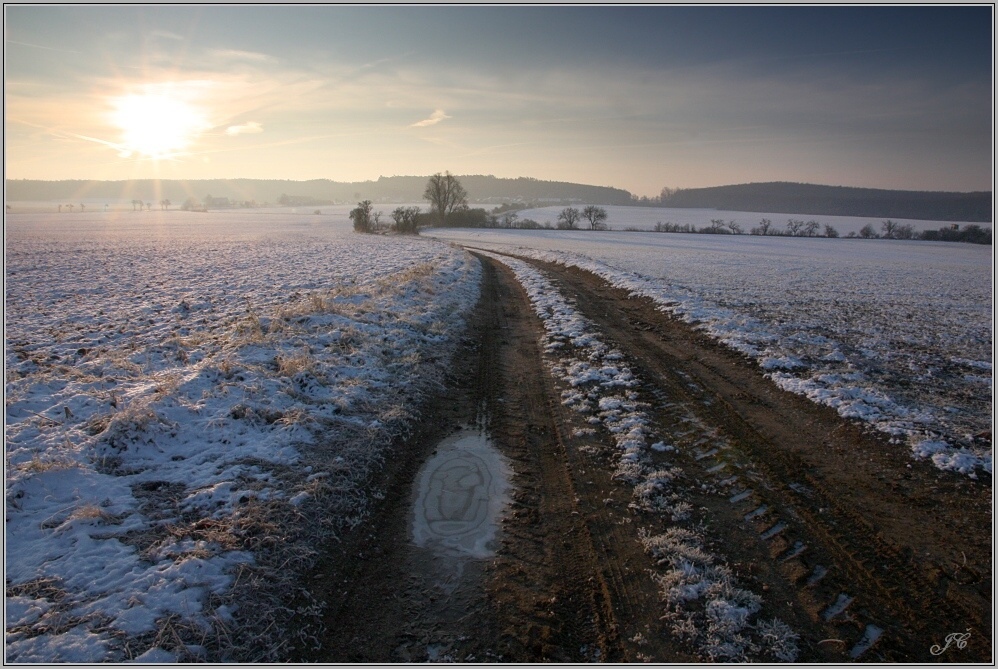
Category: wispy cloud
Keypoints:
(236, 54)
(39, 46)
(435, 117)
(166, 34)
(248, 128)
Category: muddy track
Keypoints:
(865, 554)
(542, 597)
(845, 518)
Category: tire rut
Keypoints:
(861, 582)
(543, 597)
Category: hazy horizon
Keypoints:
(630, 97)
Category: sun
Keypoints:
(156, 126)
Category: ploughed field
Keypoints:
(265, 438)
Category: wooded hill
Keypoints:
(794, 198)
(404, 189)
(774, 197)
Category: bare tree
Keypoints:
(794, 227)
(83, 207)
(763, 228)
(445, 195)
(811, 228)
(716, 227)
(735, 228)
(569, 218)
(406, 220)
(868, 232)
(888, 229)
(596, 216)
(830, 231)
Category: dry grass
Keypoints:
(289, 364)
(249, 330)
(37, 465)
(417, 277)
(85, 512)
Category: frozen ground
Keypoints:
(191, 401)
(898, 334)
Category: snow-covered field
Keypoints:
(193, 402)
(898, 334)
(645, 218)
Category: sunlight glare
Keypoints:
(156, 126)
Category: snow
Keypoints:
(176, 380)
(898, 334)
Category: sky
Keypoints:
(638, 97)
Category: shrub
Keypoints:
(361, 216)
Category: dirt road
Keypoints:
(863, 553)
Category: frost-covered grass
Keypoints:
(896, 334)
(193, 403)
(703, 603)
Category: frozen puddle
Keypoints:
(460, 494)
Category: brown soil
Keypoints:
(570, 582)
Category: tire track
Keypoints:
(859, 560)
(813, 520)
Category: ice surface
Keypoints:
(462, 490)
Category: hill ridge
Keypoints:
(778, 197)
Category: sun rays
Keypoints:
(156, 126)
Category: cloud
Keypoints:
(39, 46)
(435, 117)
(236, 54)
(248, 128)
(165, 34)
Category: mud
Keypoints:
(869, 556)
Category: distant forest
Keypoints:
(775, 197)
(793, 198)
(404, 189)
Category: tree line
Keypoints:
(889, 229)
(448, 201)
